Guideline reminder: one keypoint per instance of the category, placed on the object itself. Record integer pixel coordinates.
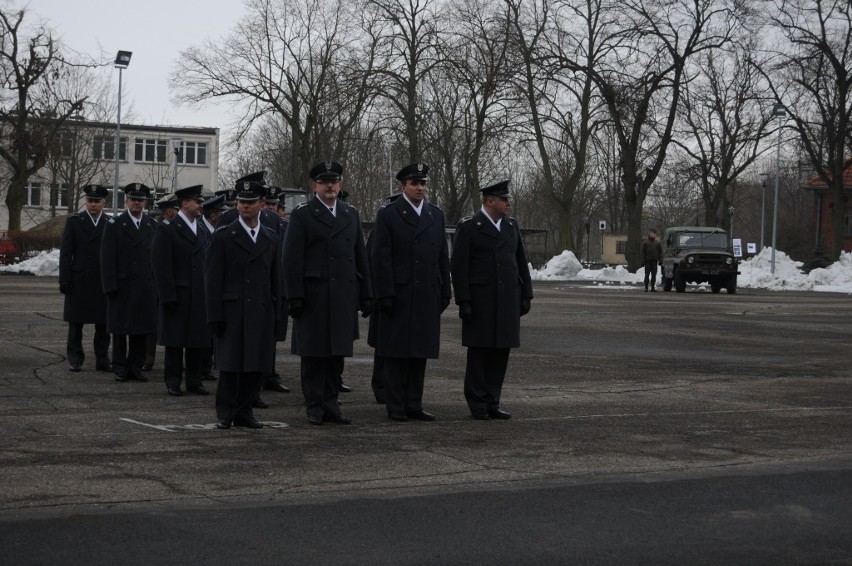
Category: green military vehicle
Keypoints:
(695, 254)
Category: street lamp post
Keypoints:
(779, 111)
(176, 149)
(122, 60)
(765, 178)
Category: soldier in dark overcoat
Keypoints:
(242, 285)
(410, 267)
(327, 279)
(128, 281)
(168, 208)
(493, 289)
(178, 261)
(80, 279)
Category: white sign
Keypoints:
(738, 247)
(751, 247)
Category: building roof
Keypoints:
(818, 183)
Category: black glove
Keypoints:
(525, 306)
(170, 306)
(445, 302)
(386, 304)
(465, 311)
(217, 328)
(65, 288)
(366, 308)
(295, 308)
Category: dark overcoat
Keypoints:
(409, 262)
(80, 269)
(326, 265)
(490, 271)
(127, 276)
(242, 287)
(178, 261)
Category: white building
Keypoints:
(162, 157)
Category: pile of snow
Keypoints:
(755, 272)
(45, 263)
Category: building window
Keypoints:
(621, 246)
(847, 223)
(104, 148)
(33, 194)
(150, 150)
(193, 153)
(62, 196)
(65, 144)
(120, 199)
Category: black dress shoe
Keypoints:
(345, 388)
(247, 423)
(259, 403)
(208, 377)
(480, 415)
(223, 424)
(74, 367)
(420, 415)
(499, 415)
(399, 417)
(104, 367)
(314, 420)
(136, 376)
(339, 419)
(279, 387)
(120, 377)
(174, 390)
(380, 400)
(147, 367)
(200, 390)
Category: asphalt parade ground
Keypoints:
(646, 428)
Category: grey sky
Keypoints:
(155, 31)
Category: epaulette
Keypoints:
(466, 219)
(222, 227)
(301, 205)
(166, 221)
(75, 215)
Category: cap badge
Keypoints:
(420, 167)
(246, 185)
(328, 166)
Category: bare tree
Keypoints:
(408, 40)
(32, 112)
(724, 125)
(556, 44)
(812, 78)
(305, 61)
(642, 79)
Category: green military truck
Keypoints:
(695, 254)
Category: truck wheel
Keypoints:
(715, 287)
(731, 287)
(679, 282)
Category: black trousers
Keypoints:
(403, 379)
(150, 349)
(234, 393)
(173, 361)
(74, 349)
(483, 377)
(377, 382)
(128, 354)
(651, 271)
(320, 385)
(207, 362)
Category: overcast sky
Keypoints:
(155, 31)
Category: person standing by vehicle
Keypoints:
(493, 290)
(80, 279)
(409, 261)
(651, 252)
(128, 281)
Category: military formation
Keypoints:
(217, 279)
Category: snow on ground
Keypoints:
(755, 272)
